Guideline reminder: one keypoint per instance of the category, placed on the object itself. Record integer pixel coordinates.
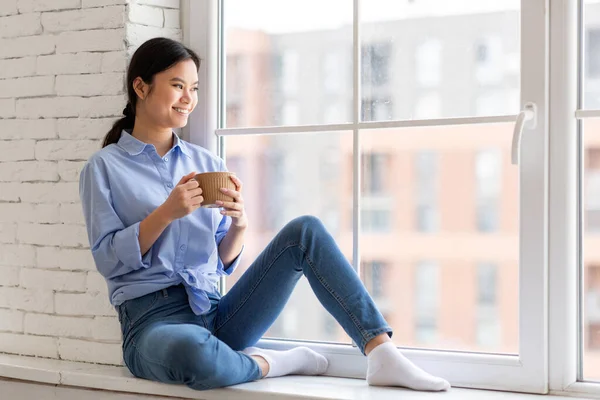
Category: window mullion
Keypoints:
(563, 177)
(356, 146)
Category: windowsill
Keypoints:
(118, 379)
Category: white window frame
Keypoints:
(565, 254)
(526, 372)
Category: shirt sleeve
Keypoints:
(220, 234)
(115, 247)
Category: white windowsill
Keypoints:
(118, 379)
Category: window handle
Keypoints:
(529, 113)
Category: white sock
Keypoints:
(297, 361)
(388, 367)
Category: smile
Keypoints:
(181, 110)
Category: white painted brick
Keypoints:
(8, 7)
(10, 191)
(71, 214)
(27, 129)
(79, 350)
(9, 276)
(27, 46)
(96, 283)
(106, 328)
(27, 299)
(146, 15)
(86, 19)
(20, 25)
(84, 304)
(17, 150)
(65, 107)
(27, 171)
(65, 149)
(74, 128)
(95, 40)
(90, 85)
(8, 232)
(114, 61)
(54, 280)
(77, 63)
(53, 325)
(7, 108)
(17, 255)
(27, 87)
(17, 67)
(25, 212)
(26, 6)
(67, 192)
(69, 171)
(161, 3)
(138, 34)
(103, 106)
(11, 320)
(52, 234)
(48, 107)
(41, 346)
(102, 3)
(172, 19)
(66, 259)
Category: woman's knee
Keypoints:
(192, 359)
(306, 224)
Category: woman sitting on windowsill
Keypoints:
(162, 255)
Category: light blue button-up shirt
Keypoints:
(122, 184)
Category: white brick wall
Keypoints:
(62, 72)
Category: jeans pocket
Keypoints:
(134, 309)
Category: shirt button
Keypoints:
(169, 185)
(166, 159)
(182, 247)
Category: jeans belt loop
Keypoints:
(165, 293)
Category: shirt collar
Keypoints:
(182, 146)
(135, 146)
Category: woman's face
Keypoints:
(173, 97)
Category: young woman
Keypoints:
(162, 255)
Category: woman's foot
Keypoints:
(388, 367)
(297, 361)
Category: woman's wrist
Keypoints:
(163, 216)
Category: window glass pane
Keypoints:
(427, 302)
(286, 176)
(591, 54)
(291, 65)
(439, 58)
(591, 250)
(448, 238)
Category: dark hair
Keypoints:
(152, 57)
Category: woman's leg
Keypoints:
(163, 340)
(303, 246)
(187, 354)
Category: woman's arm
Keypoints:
(114, 246)
(231, 245)
(185, 198)
(233, 242)
(151, 228)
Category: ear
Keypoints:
(141, 88)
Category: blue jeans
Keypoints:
(163, 340)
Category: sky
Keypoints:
(283, 16)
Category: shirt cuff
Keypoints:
(127, 248)
(232, 267)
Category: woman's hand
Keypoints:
(234, 209)
(185, 198)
